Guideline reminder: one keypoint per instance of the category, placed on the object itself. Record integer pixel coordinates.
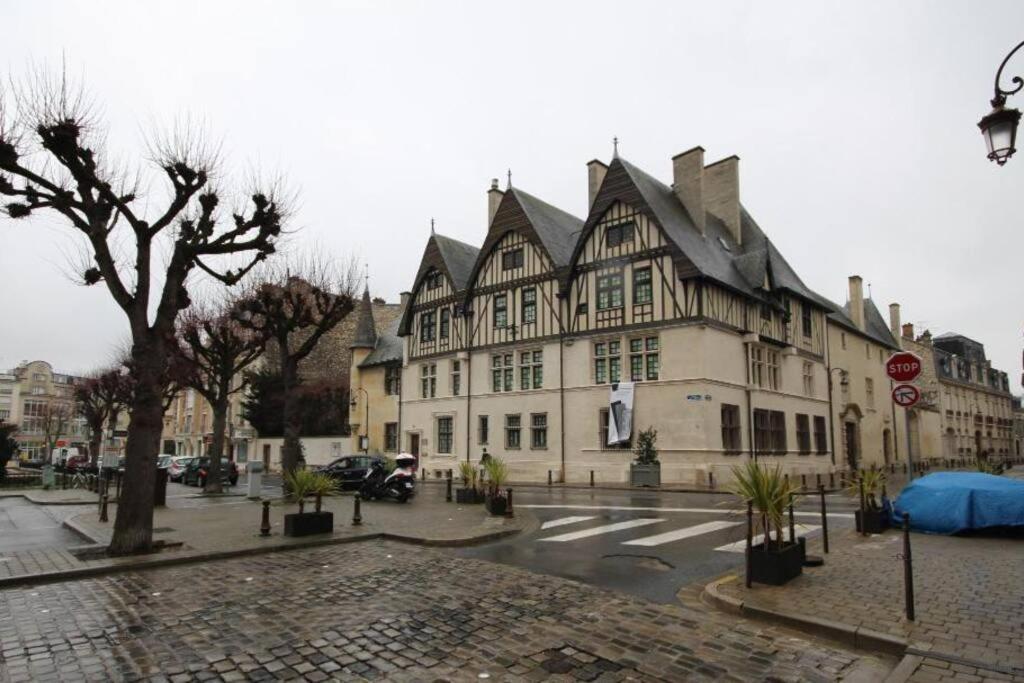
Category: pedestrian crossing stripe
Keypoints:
(680, 534)
(598, 530)
(551, 524)
(709, 511)
(741, 545)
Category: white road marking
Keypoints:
(563, 521)
(598, 530)
(741, 545)
(680, 534)
(707, 511)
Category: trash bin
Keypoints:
(160, 487)
(255, 470)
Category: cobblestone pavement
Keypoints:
(383, 610)
(969, 599)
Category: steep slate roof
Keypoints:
(388, 348)
(366, 334)
(875, 326)
(458, 256)
(557, 229)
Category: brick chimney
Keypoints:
(403, 299)
(494, 196)
(722, 193)
(908, 331)
(596, 171)
(894, 320)
(688, 184)
(857, 301)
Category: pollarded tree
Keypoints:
(142, 248)
(214, 352)
(100, 400)
(294, 312)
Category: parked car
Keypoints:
(163, 461)
(195, 473)
(349, 470)
(179, 463)
(79, 463)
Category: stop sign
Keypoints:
(903, 366)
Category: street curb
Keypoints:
(855, 636)
(36, 501)
(904, 670)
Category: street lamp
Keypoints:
(366, 428)
(1000, 126)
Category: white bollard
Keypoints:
(255, 470)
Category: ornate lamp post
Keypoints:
(1000, 126)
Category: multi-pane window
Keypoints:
(501, 372)
(456, 377)
(446, 322)
(869, 392)
(512, 429)
(483, 429)
(529, 303)
(531, 369)
(444, 434)
(643, 359)
(607, 362)
(805, 319)
(769, 431)
(778, 429)
(642, 291)
(427, 326)
(391, 436)
(539, 430)
(731, 441)
(602, 432)
(500, 310)
(617, 234)
(803, 433)
(434, 280)
(512, 259)
(820, 442)
(867, 350)
(764, 368)
(428, 380)
(609, 291)
(808, 379)
(392, 379)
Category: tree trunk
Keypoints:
(133, 526)
(95, 443)
(220, 414)
(291, 450)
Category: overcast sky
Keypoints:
(854, 123)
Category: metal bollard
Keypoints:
(591, 478)
(448, 490)
(357, 518)
(863, 527)
(792, 522)
(508, 510)
(103, 508)
(908, 569)
(549, 477)
(711, 480)
(750, 542)
(803, 482)
(265, 521)
(824, 519)
(831, 480)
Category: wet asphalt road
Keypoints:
(644, 543)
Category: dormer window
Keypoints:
(433, 280)
(510, 260)
(619, 234)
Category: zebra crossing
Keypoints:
(674, 535)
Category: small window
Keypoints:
(444, 435)
(456, 377)
(602, 421)
(428, 380)
(531, 369)
(446, 321)
(529, 312)
(842, 340)
(869, 392)
(731, 440)
(434, 280)
(766, 312)
(501, 372)
(607, 362)
(803, 433)
(642, 291)
(427, 326)
(512, 431)
(512, 259)
(539, 430)
(619, 234)
(805, 319)
(392, 380)
(391, 436)
(778, 431)
(808, 379)
(483, 429)
(609, 291)
(643, 359)
(500, 310)
(820, 440)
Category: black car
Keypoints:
(349, 470)
(195, 473)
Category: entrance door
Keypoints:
(414, 444)
(852, 447)
(266, 457)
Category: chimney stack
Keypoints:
(596, 171)
(688, 184)
(403, 299)
(908, 331)
(894, 320)
(722, 193)
(857, 301)
(494, 196)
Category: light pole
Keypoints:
(366, 427)
(1000, 125)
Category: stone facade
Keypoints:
(42, 403)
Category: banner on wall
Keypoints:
(620, 413)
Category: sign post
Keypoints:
(903, 367)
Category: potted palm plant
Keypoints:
(497, 474)
(469, 494)
(773, 560)
(301, 484)
(646, 469)
(871, 518)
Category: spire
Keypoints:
(508, 186)
(432, 226)
(615, 147)
(366, 329)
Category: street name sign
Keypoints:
(903, 366)
(905, 395)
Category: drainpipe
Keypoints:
(750, 406)
(831, 409)
(561, 393)
(469, 400)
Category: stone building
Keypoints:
(42, 403)
(1018, 427)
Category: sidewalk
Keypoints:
(231, 528)
(54, 496)
(969, 602)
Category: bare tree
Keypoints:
(293, 308)
(65, 172)
(214, 351)
(100, 399)
(52, 422)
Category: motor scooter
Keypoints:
(400, 485)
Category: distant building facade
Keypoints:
(42, 403)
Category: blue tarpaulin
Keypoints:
(948, 502)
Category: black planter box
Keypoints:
(776, 567)
(308, 523)
(871, 521)
(469, 496)
(497, 505)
